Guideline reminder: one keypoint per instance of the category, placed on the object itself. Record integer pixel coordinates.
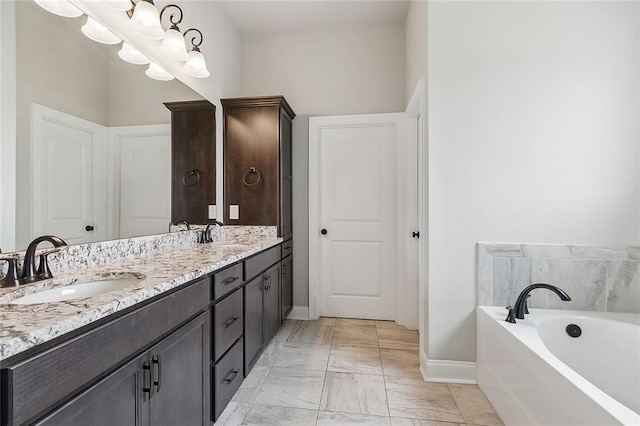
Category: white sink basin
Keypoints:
(77, 291)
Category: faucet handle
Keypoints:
(11, 279)
(511, 316)
(43, 269)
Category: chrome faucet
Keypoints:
(520, 308)
(205, 236)
(29, 273)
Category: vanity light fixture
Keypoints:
(129, 54)
(196, 65)
(173, 45)
(156, 72)
(98, 32)
(60, 8)
(145, 20)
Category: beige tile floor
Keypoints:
(350, 372)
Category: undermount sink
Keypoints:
(230, 244)
(79, 290)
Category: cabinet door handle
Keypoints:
(231, 321)
(231, 377)
(230, 280)
(156, 361)
(147, 367)
(284, 269)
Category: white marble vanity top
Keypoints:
(25, 326)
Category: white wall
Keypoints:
(533, 137)
(346, 70)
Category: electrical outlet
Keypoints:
(234, 212)
(212, 211)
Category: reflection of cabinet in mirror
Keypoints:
(193, 160)
(257, 162)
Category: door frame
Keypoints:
(316, 125)
(40, 114)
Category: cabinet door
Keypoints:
(118, 399)
(286, 289)
(252, 323)
(180, 365)
(286, 178)
(271, 301)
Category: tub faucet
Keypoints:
(520, 308)
(29, 273)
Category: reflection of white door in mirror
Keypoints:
(69, 180)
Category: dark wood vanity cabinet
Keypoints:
(258, 162)
(193, 160)
(286, 286)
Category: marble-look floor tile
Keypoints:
(399, 421)
(233, 414)
(388, 324)
(414, 398)
(285, 331)
(400, 338)
(354, 393)
(355, 359)
(265, 415)
(290, 387)
(474, 405)
(304, 355)
(251, 385)
(305, 332)
(270, 353)
(330, 418)
(400, 362)
(346, 322)
(356, 335)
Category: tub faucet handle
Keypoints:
(511, 316)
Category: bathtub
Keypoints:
(534, 373)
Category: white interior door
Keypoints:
(67, 182)
(354, 195)
(143, 179)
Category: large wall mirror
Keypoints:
(93, 136)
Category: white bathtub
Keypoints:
(534, 373)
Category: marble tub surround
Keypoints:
(348, 384)
(25, 326)
(598, 278)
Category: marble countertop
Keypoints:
(25, 326)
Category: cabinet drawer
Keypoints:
(34, 385)
(227, 280)
(257, 264)
(287, 248)
(227, 323)
(228, 376)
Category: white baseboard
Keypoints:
(299, 313)
(448, 371)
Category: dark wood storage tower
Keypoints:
(257, 136)
(193, 160)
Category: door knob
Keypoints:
(89, 228)
(324, 231)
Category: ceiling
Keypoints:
(262, 16)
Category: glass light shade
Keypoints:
(131, 55)
(156, 72)
(146, 20)
(98, 32)
(196, 65)
(173, 46)
(122, 5)
(60, 7)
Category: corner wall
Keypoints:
(533, 137)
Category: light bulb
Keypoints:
(156, 72)
(196, 65)
(146, 20)
(60, 7)
(131, 55)
(173, 46)
(98, 32)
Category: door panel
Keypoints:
(357, 208)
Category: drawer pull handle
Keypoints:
(156, 361)
(147, 367)
(231, 321)
(231, 377)
(230, 280)
(287, 247)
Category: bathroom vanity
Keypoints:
(171, 349)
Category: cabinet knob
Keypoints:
(324, 231)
